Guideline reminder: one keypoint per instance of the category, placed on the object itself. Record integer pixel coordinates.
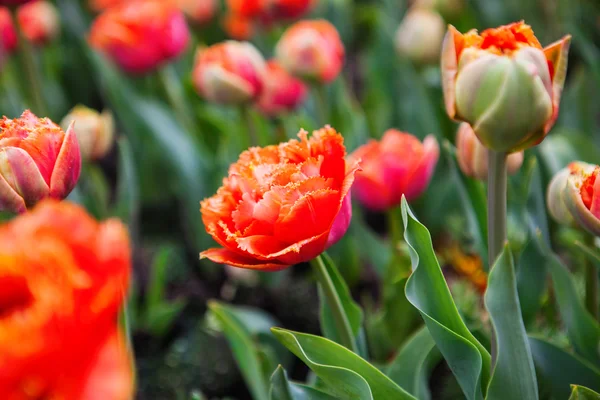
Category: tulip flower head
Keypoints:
(238, 27)
(472, 156)
(419, 36)
(40, 21)
(8, 33)
(95, 131)
(229, 73)
(63, 280)
(37, 160)
(198, 11)
(574, 196)
(281, 205)
(270, 10)
(504, 84)
(311, 50)
(399, 164)
(141, 35)
(282, 92)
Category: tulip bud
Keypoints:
(504, 84)
(237, 26)
(140, 36)
(447, 8)
(582, 196)
(472, 156)
(397, 165)
(8, 34)
(420, 35)
(229, 73)
(37, 159)
(555, 198)
(40, 22)
(282, 92)
(312, 50)
(199, 11)
(95, 131)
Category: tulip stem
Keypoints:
(250, 125)
(335, 304)
(174, 91)
(27, 59)
(591, 288)
(320, 95)
(497, 185)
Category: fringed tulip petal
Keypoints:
(67, 168)
(225, 256)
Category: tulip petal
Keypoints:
(342, 221)
(423, 173)
(9, 199)
(595, 206)
(67, 168)
(112, 375)
(557, 55)
(449, 66)
(226, 256)
(575, 204)
(21, 173)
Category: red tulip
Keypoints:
(397, 165)
(40, 21)
(281, 205)
(8, 33)
(282, 92)
(141, 35)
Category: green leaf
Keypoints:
(583, 393)
(427, 290)
(514, 374)
(244, 350)
(126, 206)
(583, 330)
(414, 363)
(561, 369)
(347, 375)
(531, 280)
(351, 308)
(283, 389)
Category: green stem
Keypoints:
(591, 284)
(335, 304)
(394, 219)
(320, 94)
(32, 74)
(250, 126)
(497, 181)
(280, 130)
(174, 91)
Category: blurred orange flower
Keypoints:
(40, 21)
(397, 165)
(281, 205)
(282, 92)
(8, 33)
(237, 26)
(269, 10)
(59, 304)
(37, 159)
(468, 265)
(199, 11)
(141, 35)
(311, 50)
(229, 73)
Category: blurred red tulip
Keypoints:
(13, 2)
(237, 26)
(311, 50)
(40, 21)
(281, 205)
(37, 159)
(282, 92)
(8, 33)
(141, 35)
(199, 11)
(229, 73)
(63, 280)
(397, 165)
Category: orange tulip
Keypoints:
(37, 159)
(504, 84)
(59, 337)
(8, 33)
(198, 11)
(40, 21)
(238, 27)
(311, 50)
(269, 10)
(282, 92)
(397, 165)
(229, 73)
(99, 5)
(281, 205)
(141, 35)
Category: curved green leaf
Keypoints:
(414, 363)
(562, 369)
(427, 290)
(283, 389)
(347, 375)
(583, 393)
(531, 280)
(244, 349)
(514, 375)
